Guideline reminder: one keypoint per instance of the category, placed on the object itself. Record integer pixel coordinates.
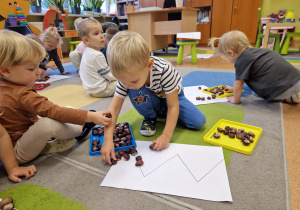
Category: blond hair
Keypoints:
(83, 27)
(232, 40)
(110, 32)
(127, 51)
(16, 49)
(51, 34)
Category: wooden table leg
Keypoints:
(266, 38)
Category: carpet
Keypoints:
(69, 95)
(183, 135)
(172, 53)
(211, 79)
(70, 68)
(30, 196)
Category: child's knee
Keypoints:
(198, 122)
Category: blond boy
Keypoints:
(153, 86)
(94, 72)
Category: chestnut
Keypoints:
(216, 135)
(250, 138)
(132, 148)
(213, 96)
(226, 132)
(118, 156)
(127, 150)
(126, 156)
(139, 163)
(198, 98)
(227, 127)
(95, 131)
(208, 98)
(220, 130)
(199, 88)
(129, 137)
(138, 158)
(94, 149)
(113, 162)
(231, 135)
(133, 152)
(121, 152)
(246, 142)
(251, 134)
(107, 115)
(152, 146)
(128, 143)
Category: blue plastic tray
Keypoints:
(101, 142)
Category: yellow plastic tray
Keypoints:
(233, 144)
(221, 96)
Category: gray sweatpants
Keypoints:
(34, 140)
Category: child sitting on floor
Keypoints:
(153, 86)
(94, 72)
(55, 128)
(76, 55)
(265, 71)
(110, 32)
(51, 39)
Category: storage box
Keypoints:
(129, 8)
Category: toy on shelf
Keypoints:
(22, 21)
(12, 20)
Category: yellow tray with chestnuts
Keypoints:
(235, 136)
(217, 91)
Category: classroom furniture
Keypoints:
(286, 43)
(270, 25)
(239, 15)
(181, 49)
(260, 35)
(151, 3)
(73, 45)
(154, 27)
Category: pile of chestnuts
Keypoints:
(122, 136)
(232, 132)
(126, 155)
(217, 90)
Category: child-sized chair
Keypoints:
(193, 50)
(73, 45)
(286, 43)
(261, 36)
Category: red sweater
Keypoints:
(20, 106)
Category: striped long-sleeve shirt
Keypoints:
(164, 79)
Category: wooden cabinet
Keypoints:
(239, 15)
(121, 6)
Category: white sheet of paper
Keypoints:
(189, 35)
(192, 92)
(202, 56)
(182, 170)
(55, 78)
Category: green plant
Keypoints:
(96, 3)
(35, 2)
(75, 3)
(57, 2)
(87, 8)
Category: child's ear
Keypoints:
(4, 72)
(85, 40)
(229, 53)
(150, 62)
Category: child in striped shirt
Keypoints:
(153, 86)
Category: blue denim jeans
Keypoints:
(148, 105)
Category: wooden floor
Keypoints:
(291, 116)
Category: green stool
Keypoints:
(286, 42)
(193, 51)
(73, 45)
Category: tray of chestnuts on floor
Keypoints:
(235, 136)
(122, 138)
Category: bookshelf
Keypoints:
(121, 6)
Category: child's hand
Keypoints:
(107, 151)
(233, 100)
(51, 66)
(66, 72)
(99, 118)
(16, 172)
(161, 142)
(229, 89)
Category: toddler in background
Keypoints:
(265, 71)
(153, 86)
(110, 32)
(44, 75)
(55, 128)
(51, 39)
(94, 72)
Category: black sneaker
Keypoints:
(86, 130)
(148, 127)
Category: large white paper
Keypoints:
(182, 170)
(193, 91)
(203, 56)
